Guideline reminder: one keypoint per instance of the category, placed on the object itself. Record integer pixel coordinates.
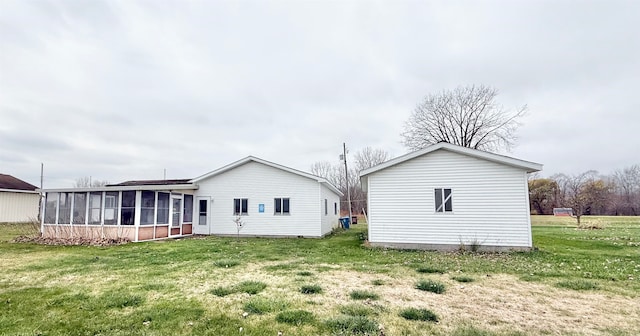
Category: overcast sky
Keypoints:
(121, 90)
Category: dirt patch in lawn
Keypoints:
(496, 303)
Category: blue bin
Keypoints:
(344, 221)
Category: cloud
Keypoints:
(124, 90)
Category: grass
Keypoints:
(419, 314)
(261, 305)
(377, 282)
(359, 294)
(251, 287)
(463, 278)
(352, 325)
(429, 269)
(226, 263)
(222, 291)
(578, 284)
(355, 309)
(432, 286)
(304, 273)
(310, 289)
(295, 317)
(197, 286)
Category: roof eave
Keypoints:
(169, 187)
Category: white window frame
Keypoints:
(443, 200)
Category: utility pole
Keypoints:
(41, 193)
(346, 178)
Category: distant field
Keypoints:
(577, 282)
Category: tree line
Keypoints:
(588, 193)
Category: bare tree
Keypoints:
(575, 191)
(627, 188)
(334, 173)
(467, 116)
(369, 157)
(88, 182)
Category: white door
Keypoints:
(176, 216)
(204, 215)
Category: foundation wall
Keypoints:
(187, 229)
(89, 231)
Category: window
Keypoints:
(163, 208)
(443, 200)
(176, 211)
(240, 206)
(111, 208)
(51, 204)
(79, 207)
(64, 211)
(326, 210)
(148, 207)
(335, 208)
(128, 208)
(187, 217)
(281, 206)
(202, 212)
(95, 207)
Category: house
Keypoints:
(19, 200)
(445, 197)
(269, 199)
(266, 198)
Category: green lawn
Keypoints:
(258, 286)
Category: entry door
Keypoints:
(176, 216)
(204, 211)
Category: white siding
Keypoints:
(18, 207)
(330, 220)
(489, 202)
(260, 184)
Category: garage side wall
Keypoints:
(489, 202)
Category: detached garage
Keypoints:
(19, 200)
(446, 197)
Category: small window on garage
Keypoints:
(443, 200)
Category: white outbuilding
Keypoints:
(19, 200)
(447, 197)
(267, 199)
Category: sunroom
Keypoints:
(135, 210)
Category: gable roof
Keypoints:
(270, 164)
(528, 166)
(12, 183)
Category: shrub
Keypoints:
(363, 295)
(463, 278)
(352, 325)
(251, 287)
(356, 310)
(429, 269)
(419, 314)
(377, 282)
(310, 289)
(222, 291)
(431, 286)
(295, 317)
(226, 263)
(262, 305)
(578, 284)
